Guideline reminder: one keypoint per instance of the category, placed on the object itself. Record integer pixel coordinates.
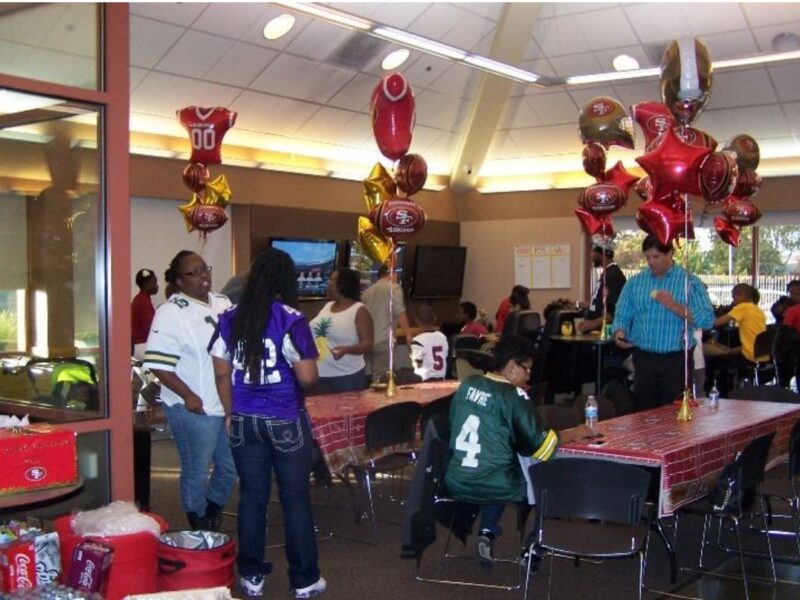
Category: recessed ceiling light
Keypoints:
(785, 42)
(394, 59)
(278, 27)
(624, 62)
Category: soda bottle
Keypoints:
(591, 413)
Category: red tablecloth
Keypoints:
(338, 420)
(690, 455)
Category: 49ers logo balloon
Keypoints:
(397, 218)
(393, 113)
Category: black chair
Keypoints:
(589, 508)
(438, 408)
(736, 496)
(786, 487)
(786, 352)
(429, 503)
(389, 434)
(525, 323)
(470, 359)
(555, 416)
(763, 369)
(605, 408)
(765, 393)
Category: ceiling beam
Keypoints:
(513, 32)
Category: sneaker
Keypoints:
(252, 585)
(535, 557)
(315, 589)
(486, 547)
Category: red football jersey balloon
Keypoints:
(207, 217)
(393, 112)
(654, 118)
(397, 218)
(206, 127)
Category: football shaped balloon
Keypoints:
(392, 107)
(602, 198)
(718, 176)
(686, 79)
(747, 184)
(195, 176)
(398, 218)
(747, 151)
(411, 173)
(741, 211)
(604, 120)
(594, 159)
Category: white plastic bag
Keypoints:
(117, 518)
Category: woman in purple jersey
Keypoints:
(264, 357)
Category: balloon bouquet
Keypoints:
(679, 161)
(392, 215)
(205, 210)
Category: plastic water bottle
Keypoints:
(713, 396)
(591, 413)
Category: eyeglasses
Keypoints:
(527, 369)
(198, 272)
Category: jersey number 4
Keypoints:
(468, 441)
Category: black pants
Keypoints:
(658, 379)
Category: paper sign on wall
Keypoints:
(542, 267)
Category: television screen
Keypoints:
(368, 268)
(439, 272)
(314, 260)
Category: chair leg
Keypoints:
(794, 504)
(741, 559)
(550, 575)
(706, 519)
(769, 542)
(368, 485)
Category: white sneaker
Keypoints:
(315, 589)
(252, 585)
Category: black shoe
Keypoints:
(213, 517)
(485, 547)
(534, 553)
(196, 522)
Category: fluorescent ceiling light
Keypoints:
(614, 76)
(756, 60)
(395, 59)
(497, 67)
(420, 43)
(624, 62)
(278, 27)
(331, 15)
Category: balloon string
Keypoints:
(605, 288)
(686, 347)
(391, 306)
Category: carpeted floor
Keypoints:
(361, 571)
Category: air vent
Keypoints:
(358, 51)
(654, 53)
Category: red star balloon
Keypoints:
(663, 221)
(620, 176)
(727, 231)
(594, 224)
(674, 166)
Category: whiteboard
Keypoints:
(541, 267)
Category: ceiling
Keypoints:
(303, 100)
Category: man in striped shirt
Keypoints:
(651, 313)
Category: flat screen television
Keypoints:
(314, 260)
(368, 268)
(439, 272)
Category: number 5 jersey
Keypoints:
(491, 422)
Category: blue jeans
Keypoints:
(260, 445)
(201, 439)
(355, 382)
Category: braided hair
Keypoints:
(272, 277)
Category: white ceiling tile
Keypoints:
(532, 50)
(458, 80)
(490, 10)
(730, 45)
(136, 77)
(442, 151)
(424, 70)
(741, 88)
(262, 112)
(396, 14)
(438, 19)
(360, 132)
(758, 121)
(512, 107)
(240, 65)
(150, 96)
(232, 19)
(545, 141)
(575, 64)
(559, 36)
(560, 9)
(786, 78)
(779, 147)
(605, 28)
(75, 32)
(326, 125)
(484, 46)
(765, 35)
(437, 110)
(318, 40)
(356, 94)
(792, 111)
(657, 22)
(471, 29)
(771, 13)
(301, 78)
(545, 109)
(179, 13)
(150, 40)
(502, 147)
(634, 92)
(423, 138)
(194, 54)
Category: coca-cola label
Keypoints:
(86, 578)
(22, 577)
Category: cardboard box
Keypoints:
(37, 457)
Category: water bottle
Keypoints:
(713, 396)
(591, 413)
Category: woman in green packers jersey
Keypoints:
(492, 421)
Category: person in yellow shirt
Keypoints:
(750, 320)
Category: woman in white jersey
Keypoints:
(343, 335)
(177, 352)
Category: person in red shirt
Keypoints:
(142, 309)
(467, 313)
(517, 300)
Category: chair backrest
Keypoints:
(765, 393)
(466, 342)
(794, 450)
(439, 407)
(764, 343)
(526, 323)
(556, 318)
(391, 425)
(737, 487)
(585, 488)
(605, 408)
(464, 369)
(557, 417)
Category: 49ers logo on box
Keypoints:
(397, 218)
(35, 473)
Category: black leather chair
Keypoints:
(785, 486)
(588, 508)
(555, 416)
(763, 369)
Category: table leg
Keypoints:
(658, 525)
